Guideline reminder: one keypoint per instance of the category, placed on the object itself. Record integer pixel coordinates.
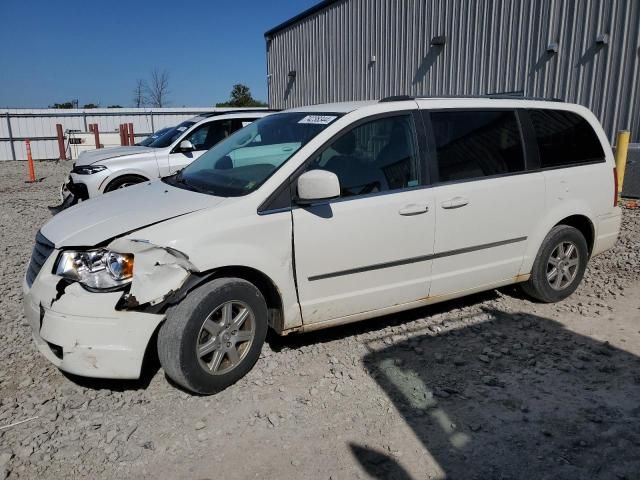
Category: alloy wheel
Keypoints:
(563, 265)
(225, 337)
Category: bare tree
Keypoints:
(158, 89)
(139, 97)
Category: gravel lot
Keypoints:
(492, 386)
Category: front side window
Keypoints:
(242, 162)
(206, 136)
(475, 144)
(564, 138)
(377, 156)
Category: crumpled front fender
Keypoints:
(157, 271)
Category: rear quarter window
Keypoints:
(564, 138)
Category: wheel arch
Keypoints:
(584, 225)
(573, 213)
(110, 180)
(263, 282)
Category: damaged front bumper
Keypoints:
(70, 194)
(81, 332)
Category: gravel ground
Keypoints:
(491, 386)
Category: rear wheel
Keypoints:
(123, 182)
(559, 265)
(214, 336)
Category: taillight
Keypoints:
(615, 187)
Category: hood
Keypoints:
(115, 213)
(92, 156)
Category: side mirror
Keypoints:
(317, 185)
(186, 146)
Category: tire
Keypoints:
(544, 285)
(196, 343)
(123, 182)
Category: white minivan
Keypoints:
(320, 216)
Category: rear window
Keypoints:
(564, 138)
(475, 144)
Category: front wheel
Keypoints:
(214, 336)
(559, 265)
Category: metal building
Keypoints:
(582, 51)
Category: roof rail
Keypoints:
(244, 110)
(520, 95)
(498, 95)
(396, 98)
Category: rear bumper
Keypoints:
(607, 231)
(82, 333)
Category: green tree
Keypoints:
(69, 104)
(91, 105)
(241, 97)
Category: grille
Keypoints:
(41, 251)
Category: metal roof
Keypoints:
(308, 12)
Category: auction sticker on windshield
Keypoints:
(318, 119)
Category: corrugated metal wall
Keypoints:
(491, 46)
(39, 125)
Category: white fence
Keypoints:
(39, 126)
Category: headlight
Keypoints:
(100, 269)
(88, 169)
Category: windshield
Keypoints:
(242, 162)
(153, 137)
(171, 135)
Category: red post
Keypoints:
(96, 134)
(132, 138)
(63, 153)
(123, 140)
(32, 170)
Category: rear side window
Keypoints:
(564, 138)
(475, 144)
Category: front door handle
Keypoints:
(413, 209)
(455, 202)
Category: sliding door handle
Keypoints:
(455, 202)
(413, 209)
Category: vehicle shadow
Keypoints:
(512, 395)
